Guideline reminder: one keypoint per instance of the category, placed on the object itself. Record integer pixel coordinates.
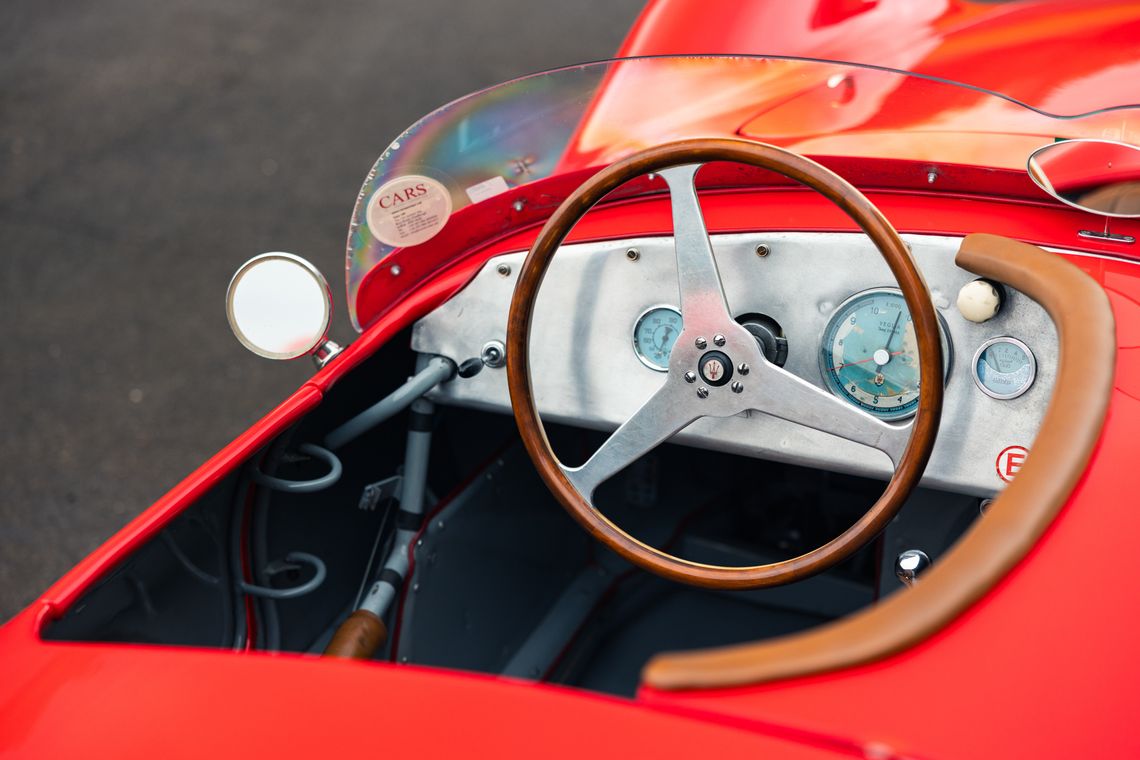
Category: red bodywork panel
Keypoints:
(1042, 666)
(1087, 47)
(997, 664)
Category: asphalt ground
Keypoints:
(146, 150)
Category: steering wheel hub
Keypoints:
(716, 368)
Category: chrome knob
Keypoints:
(493, 354)
(911, 564)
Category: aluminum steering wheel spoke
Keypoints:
(702, 295)
(659, 418)
(779, 393)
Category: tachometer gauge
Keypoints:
(1004, 368)
(869, 354)
(654, 335)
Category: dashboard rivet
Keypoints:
(395, 270)
(718, 340)
(743, 368)
(702, 392)
(690, 377)
(701, 343)
(762, 250)
(633, 254)
(504, 270)
(519, 204)
(737, 387)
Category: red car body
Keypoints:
(1044, 665)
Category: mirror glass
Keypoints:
(279, 306)
(1100, 176)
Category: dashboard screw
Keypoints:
(690, 377)
(743, 368)
(702, 392)
(633, 254)
(762, 250)
(504, 269)
(737, 387)
(395, 270)
(519, 204)
(718, 340)
(701, 343)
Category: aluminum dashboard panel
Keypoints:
(586, 373)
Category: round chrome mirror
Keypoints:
(279, 306)
(1098, 176)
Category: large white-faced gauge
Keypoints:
(654, 335)
(869, 354)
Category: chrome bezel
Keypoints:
(637, 326)
(944, 334)
(309, 269)
(1004, 396)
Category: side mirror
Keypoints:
(280, 307)
(1098, 176)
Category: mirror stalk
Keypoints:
(326, 352)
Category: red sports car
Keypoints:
(766, 391)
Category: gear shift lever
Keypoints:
(910, 564)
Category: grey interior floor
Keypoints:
(146, 150)
(667, 618)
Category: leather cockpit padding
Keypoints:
(1069, 432)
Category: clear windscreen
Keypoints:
(542, 125)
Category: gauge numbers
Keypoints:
(869, 354)
(1004, 368)
(654, 335)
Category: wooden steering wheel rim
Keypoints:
(902, 266)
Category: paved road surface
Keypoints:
(147, 149)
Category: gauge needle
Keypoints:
(864, 361)
(665, 338)
(886, 346)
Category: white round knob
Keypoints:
(979, 300)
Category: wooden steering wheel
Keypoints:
(712, 348)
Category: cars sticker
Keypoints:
(408, 210)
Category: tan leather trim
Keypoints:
(994, 544)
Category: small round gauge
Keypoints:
(1004, 368)
(869, 354)
(654, 335)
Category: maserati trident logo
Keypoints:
(716, 368)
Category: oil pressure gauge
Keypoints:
(654, 335)
(1004, 368)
